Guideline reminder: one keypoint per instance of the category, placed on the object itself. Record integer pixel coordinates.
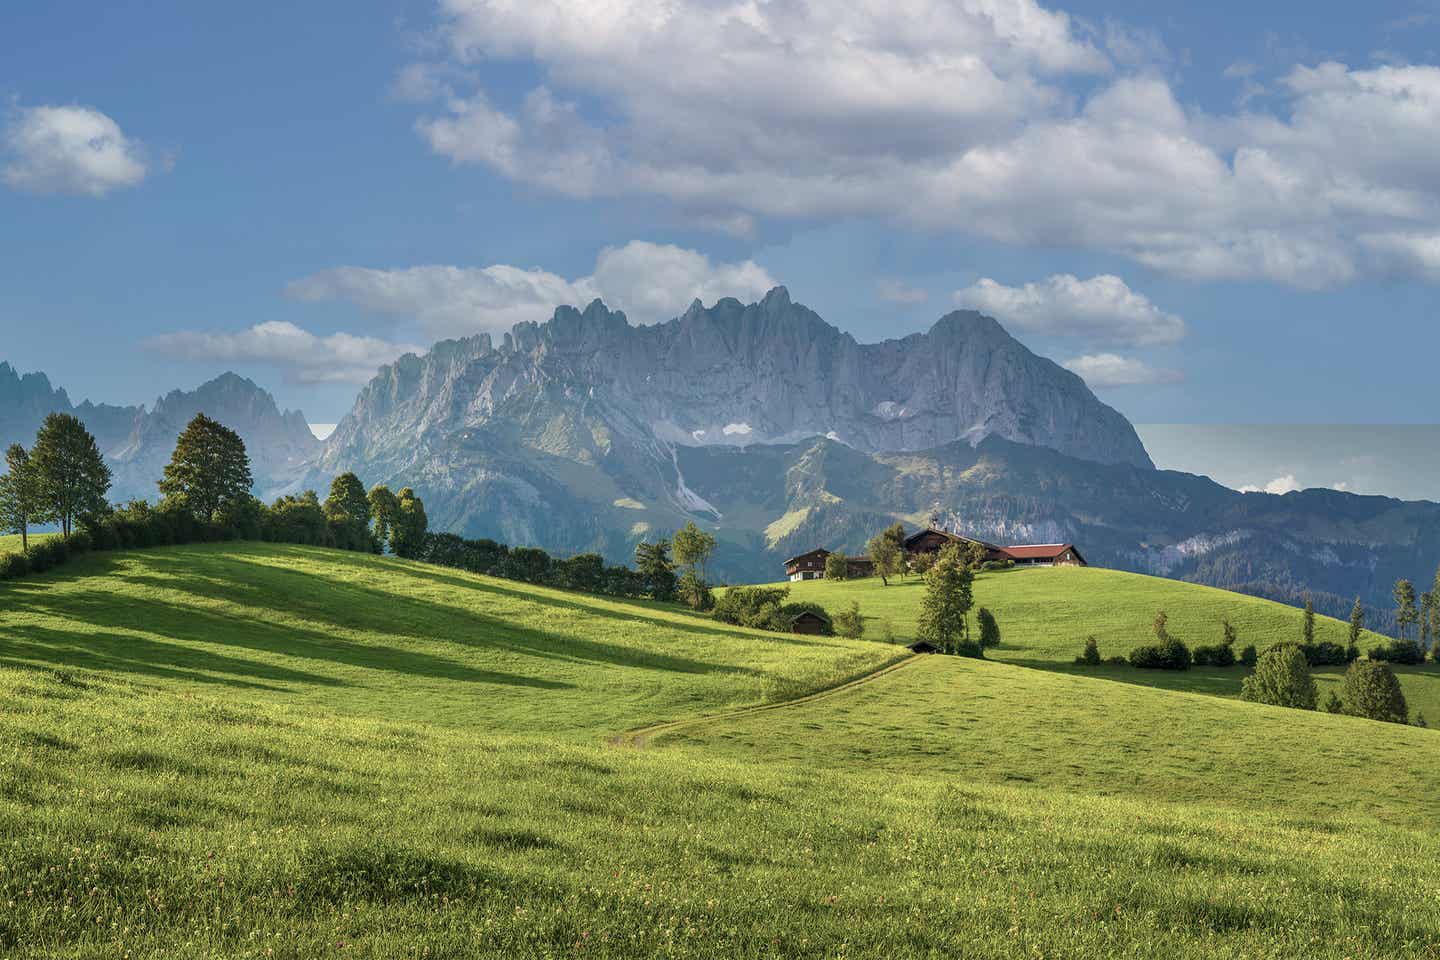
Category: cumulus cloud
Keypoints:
(73, 150)
(1113, 370)
(650, 282)
(303, 356)
(941, 113)
(1102, 309)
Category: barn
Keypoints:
(810, 622)
(931, 540)
(1046, 555)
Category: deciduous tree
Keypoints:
(407, 537)
(1281, 678)
(71, 474)
(945, 609)
(693, 548)
(836, 567)
(1372, 691)
(20, 495)
(209, 470)
(348, 510)
(887, 552)
(385, 514)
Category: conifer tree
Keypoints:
(1406, 616)
(1307, 629)
(209, 470)
(652, 562)
(407, 536)
(1357, 624)
(348, 509)
(71, 476)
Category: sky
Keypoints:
(1215, 213)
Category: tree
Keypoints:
(989, 629)
(20, 503)
(1229, 635)
(836, 567)
(1357, 624)
(945, 609)
(385, 513)
(849, 623)
(1428, 600)
(693, 591)
(348, 510)
(887, 552)
(975, 554)
(1307, 629)
(71, 476)
(1090, 656)
(1281, 678)
(208, 471)
(1333, 703)
(407, 536)
(693, 548)
(922, 562)
(1372, 691)
(652, 562)
(1435, 614)
(1406, 615)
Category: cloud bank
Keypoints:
(303, 356)
(69, 150)
(1102, 309)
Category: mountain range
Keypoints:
(779, 432)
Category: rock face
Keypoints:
(137, 444)
(280, 444)
(769, 372)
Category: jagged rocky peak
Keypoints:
(767, 372)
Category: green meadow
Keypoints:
(10, 542)
(1045, 614)
(258, 751)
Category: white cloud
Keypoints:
(650, 282)
(305, 357)
(1280, 485)
(1102, 309)
(74, 150)
(947, 114)
(1113, 370)
(898, 291)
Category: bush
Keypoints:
(13, 566)
(1219, 655)
(849, 623)
(1117, 661)
(694, 592)
(1333, 703)
(746, 606)
(1281, 678)
(1372, 691)
(1324, 654)
(47, 554)
(1399, 651)
(1169, 654)
(1248, 656)
(991, 566)
(1090, 656)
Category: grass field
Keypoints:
(10, 542)
(1046, 613)
(260, 751)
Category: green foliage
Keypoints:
(1398, 651)
(887, 552)
(1229, 636)
(849, 622)
(1406, 615)
(348, 510)
(1371, 691)
(1090, 656)
(989, 629)
(920, 563)
(1307, 628)
(945, 610)
(71, 476)
(407, 532)
(1333, 703)
(1248, 656)
(1325, 654)
(693, 591)
(1357, 627)
(1282, 679)
(208, 471)
(13, 566)
(384, 514)
(693, 548)
(750, 606)
(1217, 655)
(835, 566)
(1166, 653)
(653, 564)
(21, 494)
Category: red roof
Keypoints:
(1038, 551)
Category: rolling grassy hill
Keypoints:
(1046, 613)
(10, 542)
(262, 751)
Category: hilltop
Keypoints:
(250, 749)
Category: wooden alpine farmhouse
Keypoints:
(811, 564)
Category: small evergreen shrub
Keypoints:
(1090, 656)
(1169, 654)
(1399, 651)
(1282, 679)
(1248, 657)
(1219, 655)
(1372, 691)
(1333, 703)
(1324, 654)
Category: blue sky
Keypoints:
(1216, 213)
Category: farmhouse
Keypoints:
(811, 566)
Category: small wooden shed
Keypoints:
(923, 646)
(810, 622)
